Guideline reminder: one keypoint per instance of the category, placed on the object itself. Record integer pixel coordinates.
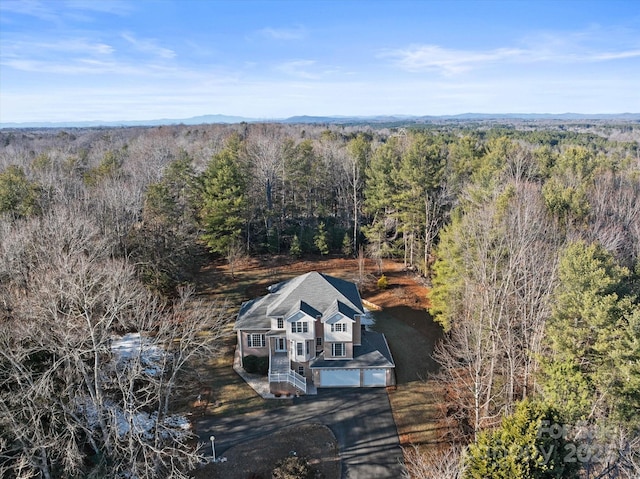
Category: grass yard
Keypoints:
(403, 319)
(412, 335)
(259, 457)
(413, 399)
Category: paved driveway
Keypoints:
(360, 419)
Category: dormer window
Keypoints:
(339, 328)
(280, 323)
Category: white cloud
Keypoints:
(447, 61)
(299, 69)
(296, 33)
(56, 12)
(33, 8)
(550, 48)
(148, 46)
(68, 45)
(114, 7)
(604, 56)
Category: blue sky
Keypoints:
(72, 60)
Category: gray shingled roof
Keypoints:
(372, 353)
(319, 293)
(339, 307)
(305, 308)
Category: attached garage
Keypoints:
(374, 377)
(371, 366)
(339, 378)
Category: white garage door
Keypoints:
(339, 377)
(375, 377)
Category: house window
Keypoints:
(300, 327)
(281, 344)
(299, 349)
(338, 350)
(301, 370)
(306, 343)
(318, 341)
(256, 341)
(338, 327)
(280, 323)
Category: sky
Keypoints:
(111, 60)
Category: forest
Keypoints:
(527, 232)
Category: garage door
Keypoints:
(375, 377)
(339, 377)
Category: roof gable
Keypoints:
(315, 294)
(317, 290)
(302, 309)
(337, 311)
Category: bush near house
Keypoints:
(256, 364)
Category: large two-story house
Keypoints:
(310, 328)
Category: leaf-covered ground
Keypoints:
(409, 329)
(259, 457)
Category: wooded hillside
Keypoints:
(528, 233)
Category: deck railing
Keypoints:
(290, 377)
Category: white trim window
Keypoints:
(338, 350)
(299, 348)
(339, 328)
(256, 340)
(280, 323)
(281, 345)
(300, 327)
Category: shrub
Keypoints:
(383, 283)
(250, 364)
(293, 468)
(256, 364)
(262, 365)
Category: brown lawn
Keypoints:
(256, 459)
(403, 319)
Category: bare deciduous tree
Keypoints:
(501, 288)
(71, 403)
(433, 463)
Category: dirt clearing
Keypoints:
(403, 319)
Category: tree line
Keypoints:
(528, 234)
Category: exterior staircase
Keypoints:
(280, 372)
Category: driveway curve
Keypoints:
(360, 419)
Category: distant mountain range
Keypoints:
(381, 119)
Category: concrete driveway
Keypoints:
(361, 420)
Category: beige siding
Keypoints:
(305, 365)
(247, 351)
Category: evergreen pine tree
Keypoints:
(296, 248)
(320, 240)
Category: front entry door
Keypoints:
(281, 344)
